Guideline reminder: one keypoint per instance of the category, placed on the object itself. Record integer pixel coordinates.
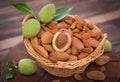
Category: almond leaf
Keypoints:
(24, 8)
(61, 13)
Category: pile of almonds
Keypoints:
(70, 39)
(96, 74)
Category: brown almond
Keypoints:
(77, 43)
(60, 56)
(93, 42)
(48, 47)
(80, 21)
(40, 33)
(76, 30)
(96, 33)
(86, 44)
(77, 35)
(41, 51)
(102, 60)
(85, 36)
(78, 77)
(102, 68)
(53, 59)
(46, 37)
(52, 25)
(87, 50)
(96, 75)
(34, 41)
(72, 58)
(69, 21)
(54, 30)
(62, 25)
(74, 50)
(82, 55)
(73, 25)
(69, 51)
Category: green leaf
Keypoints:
(9, 71)
(61, 13)
(24, 8)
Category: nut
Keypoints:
(46, 37)
(60, 56)
(77, 43)
(78, 77)
(102, 60)
(96, 75)
(48, 47)
(82, 55)
(41, 51)
(72, 58)
(53, 59)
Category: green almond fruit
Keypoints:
(31, 28)
(27, 66)
(107, 46)
(47, 13)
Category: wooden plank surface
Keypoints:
(104, 13)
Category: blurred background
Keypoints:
(104, 13)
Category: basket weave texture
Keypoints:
(64, 69)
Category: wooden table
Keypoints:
(104, 13)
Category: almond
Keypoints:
(41, 51)
(77, 43)
(52, 25)
(82, 55)
(78, 77)
(73, 25)
(48, 47)
(72, 58)
(86, 43)
(62, 25)
(53, 59)
(54, 30)
(102, 60)
(69, 51)
(76, 30)
(77, 35)
(80, 21)
(93, 42)
(96, 75)
(40, 33)
(85, 36)
(87, 50)
(46, 37)
(60, 56)
(74, 50)
(34, 41)
(69, 21)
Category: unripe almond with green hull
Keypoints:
(31, 28)
(47, 13)
(107, 46)
(27, 66)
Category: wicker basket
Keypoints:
(64, 69)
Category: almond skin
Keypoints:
(41, 51)
(82, 55)
(77, 77)
(46, 37)
(96, 75)
(60, 56)
(77, 43)
(102, 60)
